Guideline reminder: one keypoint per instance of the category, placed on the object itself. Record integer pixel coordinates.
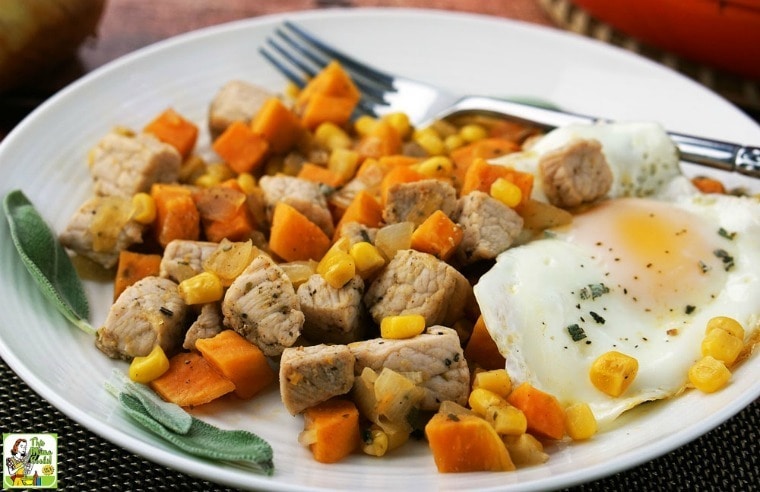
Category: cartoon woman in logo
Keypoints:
(18, 463)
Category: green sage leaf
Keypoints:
(194, 436)
(46, 259)
(170, 415)
(205, 440)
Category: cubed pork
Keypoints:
(237, 100)
(489, 227)
(332, 315)
(184, 258)
(262, 306)
(436, 355)
(575, 173)
(207, 325)
(311, 375)
(101, 229)
(305, 196)
(418, 283)
(357, 232)
(147, 313)
(416, 201)
(123, 165)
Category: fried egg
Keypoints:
(641, 276)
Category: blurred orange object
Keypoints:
(721, 33)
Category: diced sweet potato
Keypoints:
(238, 360)
(331, 429)
(466, 443)
(132, 267)
(545, 415)
(191, 381)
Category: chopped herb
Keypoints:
(728, 235)
(576, 332)
(597, 318)
(727, 259)
(592, 291)
(690, 309)
(704, 266)
(366, 436)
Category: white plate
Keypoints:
(46, 154)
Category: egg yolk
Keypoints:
(660, 256)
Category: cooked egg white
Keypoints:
(641, 276)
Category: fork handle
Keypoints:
(726, 156)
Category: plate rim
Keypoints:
(189, 465)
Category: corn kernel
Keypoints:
(473, 132)
(202, 288)
(206, 180)
(430, 141)
(402, 326)
(337, 266)
(438, 166)
(722, 345)
(331, 136)
(507, 420)
(709, 374)
(367, 258)
(613, 372)
(146, 368)
(506, 192)
(496, 380)
(725, 323)
(375, 441)
(453, 142)
(481, 399)
(343, 162)
(292, 90)
(215, 174)
(364, 125)
(247, 183)
(143, 208)
(580, 422)
(399, 121)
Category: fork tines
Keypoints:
(299, 56)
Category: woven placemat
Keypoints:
(726, 459)
(741, 91)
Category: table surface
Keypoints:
(724, 459)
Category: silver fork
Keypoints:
(299, 55)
